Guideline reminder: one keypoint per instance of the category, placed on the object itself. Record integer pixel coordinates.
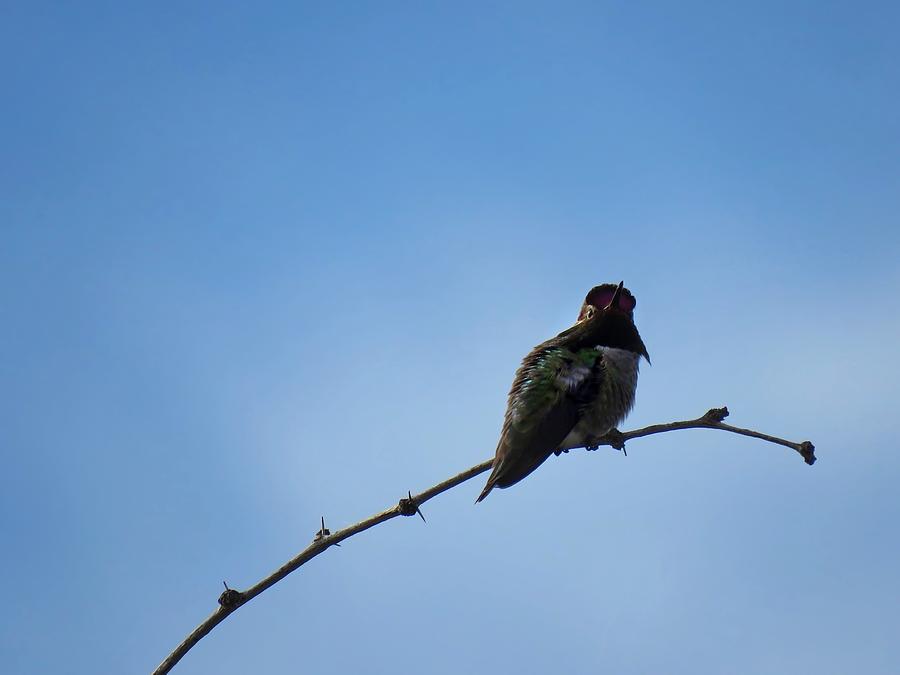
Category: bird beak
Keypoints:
(615, 298)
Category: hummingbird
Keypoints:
(573, 389)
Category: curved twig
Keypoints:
(231, 599)
(713, 420)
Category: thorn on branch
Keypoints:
(615, 439)
(230, 598)
(716, 415)
(409, 507)
(324, 532)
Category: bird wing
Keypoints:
(546, 401)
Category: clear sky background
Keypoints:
(271, 261)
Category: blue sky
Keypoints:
(261, 264)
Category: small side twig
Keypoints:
(712, 419)
(231, 599)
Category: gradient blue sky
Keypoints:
(266, 262)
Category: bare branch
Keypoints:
(231, 599)
(711, 420)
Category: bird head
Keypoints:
(612, 307)
(609, 297)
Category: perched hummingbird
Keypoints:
(572, 389)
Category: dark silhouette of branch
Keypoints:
(231, 599)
